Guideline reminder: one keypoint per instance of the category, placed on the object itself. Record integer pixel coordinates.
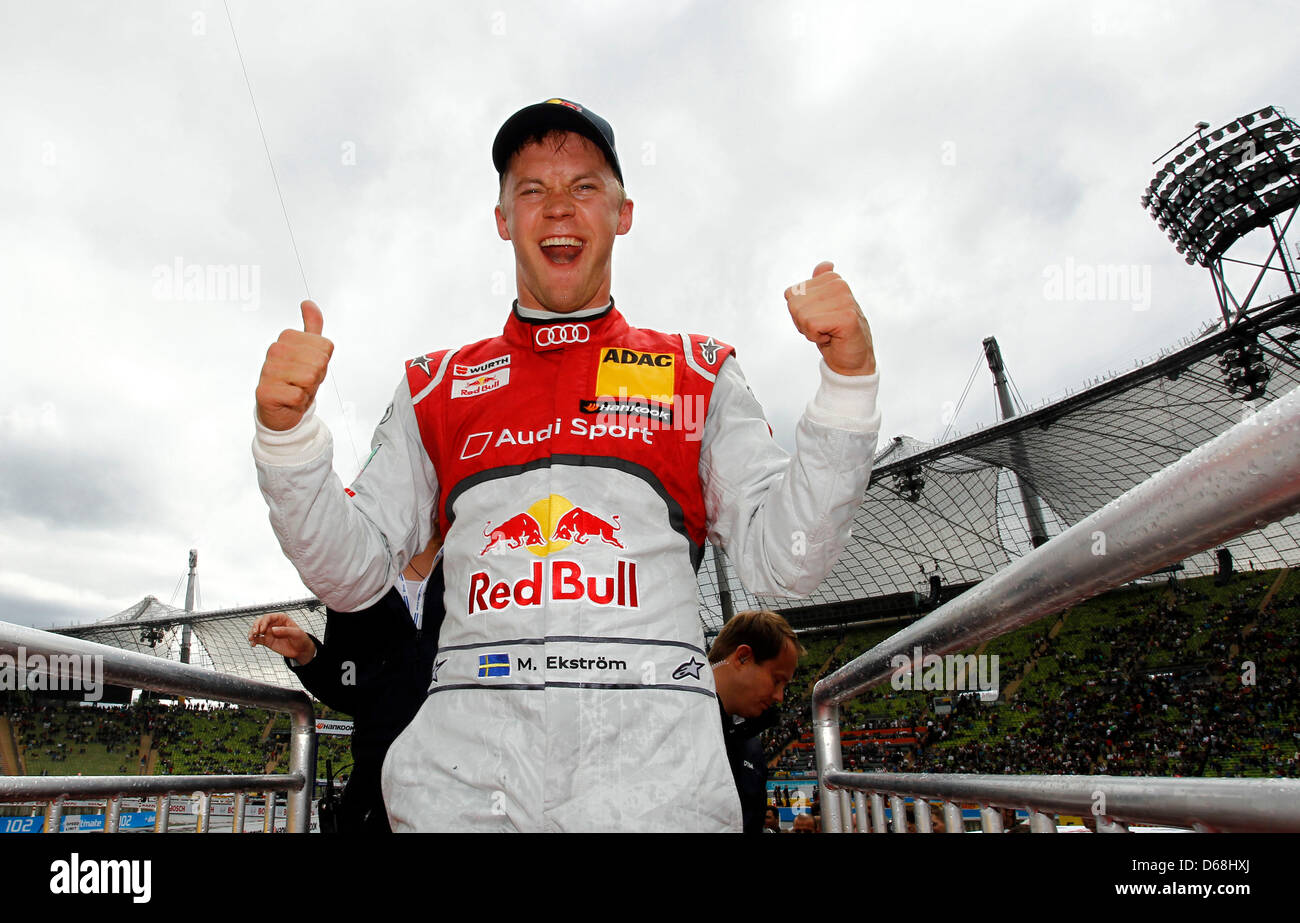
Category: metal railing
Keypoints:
(1206, 805)
(1239, 481)
(128, 668)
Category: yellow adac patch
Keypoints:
(628, 373)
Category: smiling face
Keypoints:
(561, 208)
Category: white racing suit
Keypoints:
(576, 467)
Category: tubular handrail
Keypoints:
(129, 668)
(36, 788)
(1237, 482)
(1218, 805)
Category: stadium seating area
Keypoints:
(148, 737)
(1186, 679)
(1174, 679)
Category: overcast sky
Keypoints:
(952, 159)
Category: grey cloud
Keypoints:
(76, 489)
(35, 613)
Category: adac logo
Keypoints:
(549, 525)
(629, 373)
(632, 357)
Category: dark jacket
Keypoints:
(748, 765)
(375, 666)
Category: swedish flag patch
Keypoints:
(493, 664)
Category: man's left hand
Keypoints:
(282, 634)
(825, 311)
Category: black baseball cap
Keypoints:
(559, 114)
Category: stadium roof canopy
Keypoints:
(1077, 454)
(151, 627)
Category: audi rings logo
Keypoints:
(561, 334)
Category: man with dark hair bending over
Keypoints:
(753, 659)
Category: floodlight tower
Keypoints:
(1242, 177)
(1222, 186)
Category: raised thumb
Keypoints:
(312, 319)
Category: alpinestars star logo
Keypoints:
(422, 362)
(690, 668)
(709, 350)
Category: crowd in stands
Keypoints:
(56, 732)
(194, 738)
(1188, 679)
(1180, 680)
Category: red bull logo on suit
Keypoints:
(564, 580)
(549, 525)
(578, 525)
(519, 530)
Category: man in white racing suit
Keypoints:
(576, 466)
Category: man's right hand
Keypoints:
(294, 368)
(281, 634)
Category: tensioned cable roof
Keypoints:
(218, 639)
(1077, 454)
